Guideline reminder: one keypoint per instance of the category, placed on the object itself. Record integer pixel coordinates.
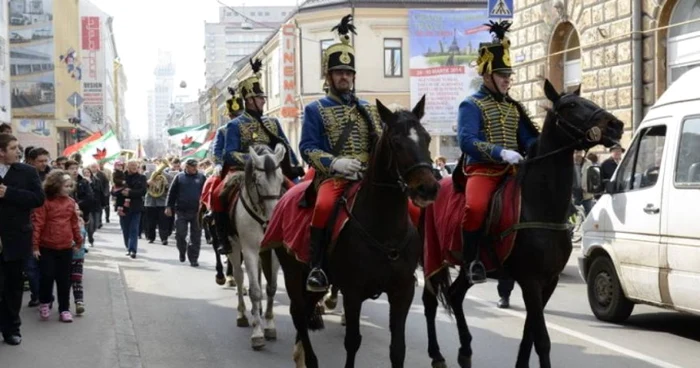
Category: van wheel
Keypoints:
(605, 295)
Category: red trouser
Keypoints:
(328, 194)
(482, 182)
(209, 185)
(216, 204)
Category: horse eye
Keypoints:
(572, 104)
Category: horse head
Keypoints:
(582, 123)
(408, 143)
(263, 177)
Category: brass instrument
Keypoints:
(158, 182)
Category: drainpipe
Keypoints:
(301, 58)
(637, 65)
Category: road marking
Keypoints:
(581, 336)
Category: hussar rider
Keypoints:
(214, 185)
(338, 133)
(249, 129)
(493, 131)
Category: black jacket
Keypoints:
(607, 169)
(85, 197)
(23, 194)
(137, 190)
(185, 191)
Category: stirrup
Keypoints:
(477, 272)
(317, 274)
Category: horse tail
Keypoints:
(439, 285)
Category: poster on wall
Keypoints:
(444, 46)
(35, 132)
(31, 58)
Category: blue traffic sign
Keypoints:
(500, 9)
(75, 99)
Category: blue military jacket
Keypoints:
(217, 147)
(245, 131)
(324, 121)
(486, 126)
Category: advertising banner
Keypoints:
(32, 55)
(93, 60)
(288, 71)
(36, 133)
(444, 46)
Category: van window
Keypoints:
(688, 164)
(640, 168)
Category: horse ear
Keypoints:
(550, 91)
(253, 155)
(280, 151)
(419, 109)
(387, 116)
(577, 92)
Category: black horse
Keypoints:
(542, 250)
(378, 250)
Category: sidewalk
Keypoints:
(102, 338)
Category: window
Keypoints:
(683, 50)
(688, 164)
(324, 45)
(640, 167)
(392, 57)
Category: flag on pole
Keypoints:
(189, 137)
(77, 146)
(102, 150)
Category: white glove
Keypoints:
(217, 170)
(346, 166)
(511, 157)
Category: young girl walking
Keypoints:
(76, 275)
(56, 233)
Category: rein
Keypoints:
(400, 175)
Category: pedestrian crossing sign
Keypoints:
(500, 9)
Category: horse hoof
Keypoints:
(257, 343)
(242, 322)
(270, 334)
(220, 280)
(464, 361)
(231, 282)
(330, 303)
(342, 320)
(440, 364)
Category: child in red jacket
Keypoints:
(56, 230)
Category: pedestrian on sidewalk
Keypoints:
(20, 192)
(96, 207)
(133, 193)
(76, 274)
(183, 197)
(56, 233)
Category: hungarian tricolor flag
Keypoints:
(189, 137)
(102, 150)
(200, 153)
(76, 147)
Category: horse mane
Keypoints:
(383, 143)
(534, 149)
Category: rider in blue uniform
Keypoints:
(253, 128)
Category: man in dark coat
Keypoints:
(607, 169)
(20, 192)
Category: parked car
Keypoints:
(641, 241)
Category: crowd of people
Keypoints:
(50, 211)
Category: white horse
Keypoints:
(261, 189)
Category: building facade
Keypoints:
(291, 57)
(239, 32)
(5, 105)
(162, 98)
(624, 54)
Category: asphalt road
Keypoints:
(157, 312)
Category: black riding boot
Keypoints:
(470, 245)
(222, 223)
(317, 280)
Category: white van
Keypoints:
(641, 241)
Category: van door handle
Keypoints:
(650, 209)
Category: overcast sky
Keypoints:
(141, 27)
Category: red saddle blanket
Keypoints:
(443, 230)
(290, 224)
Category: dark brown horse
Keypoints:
(541, 251)
(378, 250)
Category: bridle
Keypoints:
(592, 135)
(401, 175)
(259, 216)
